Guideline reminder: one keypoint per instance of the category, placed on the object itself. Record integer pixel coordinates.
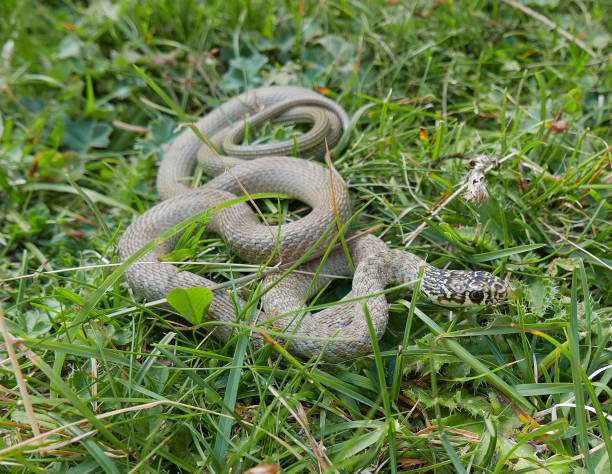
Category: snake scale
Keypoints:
(338, 332)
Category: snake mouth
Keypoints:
(500, 292)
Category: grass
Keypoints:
(98, 380)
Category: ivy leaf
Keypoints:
(162, 131)
(191, 303)
(343, 52)
(80, 135)
(243, 69)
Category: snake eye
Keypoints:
(476, 296)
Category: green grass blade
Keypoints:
(162, 94)
(67, 392)
(474, 363)
(575, 360)
(229, 401)
(383, 387)
(119, 271)
(488, 256)
(93, 196)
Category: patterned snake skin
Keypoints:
(339, 332)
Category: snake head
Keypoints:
(463, 288)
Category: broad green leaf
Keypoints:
(191, 303)
(244, 71)
(571, 101)
(162, 132)
(83, 134)
(68, 48)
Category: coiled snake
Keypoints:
(340, 332)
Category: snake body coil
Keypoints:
(339, 332)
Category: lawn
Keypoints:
(92, 378)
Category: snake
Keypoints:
(336, 333)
